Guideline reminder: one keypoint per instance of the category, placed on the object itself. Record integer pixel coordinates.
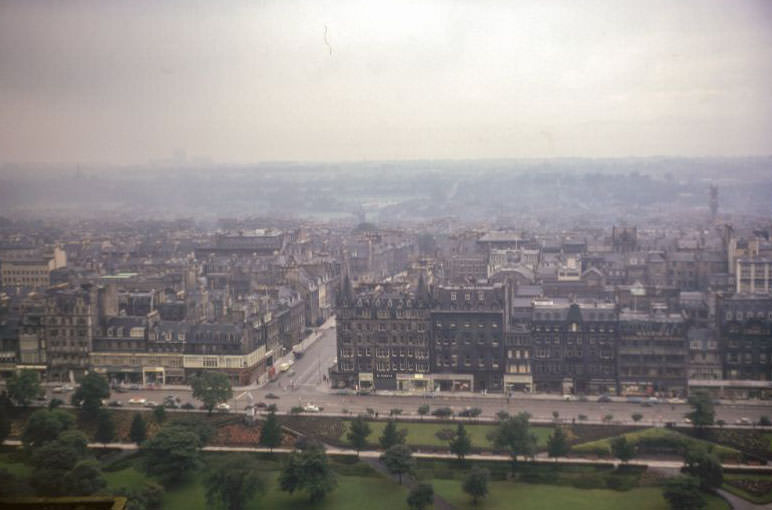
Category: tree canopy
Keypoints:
(476, 484)
(706, 467)
(461, 443)
(270, 434)
(138, 430)
(391, 436)
(622, 449)
(557, 444)
(89, 394)
(44, 426)
(233, 483)
(399, 460)
(702, 414)
(105, 431)
(357, 434)
(514, 435)
(683, 493)
(420, 496)
(308, 471)
(212, 388)
(171, 453)
(23, 387)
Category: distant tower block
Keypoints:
(713, 201)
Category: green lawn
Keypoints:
(508, 495)
(424, 434)
(768, 437)
(761, 500)
(604, 445)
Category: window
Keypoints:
(452, 296)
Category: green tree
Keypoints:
(76, 440)
(10, 485)
(423, 410)
(138, 430)
(391, 436)
(557, 444)
(212, 388)
(514, 435)
(683, 493)
(23, 387)
(159, 414)
(622, 449)
(232, 483)
(461, 444)
(197, 425)
(44, 426)
(105, 431)
(148, 497)
(476, 484)
(51, 462)
(308, 471)
(84, 479)
(702, 414)
(270, 434)
(420, 496)
(399, 460)
(358, 432)
(706, 467)
(637, 417)
(171, 454)
(92, 390)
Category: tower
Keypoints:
(713, 201)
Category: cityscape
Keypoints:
(377, 311)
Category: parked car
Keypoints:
(311, 408)
(120, 389)
(272, 396)
(150, 404)
(137, 401)
(569, 398)
(68, 387)
(744, 421)
(115, 403)
(58, 389)
(261, 405)
(222, 406)
(604, 398)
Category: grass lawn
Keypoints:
(761, 500)
(768, 437)
(508, 495)
(424, 434)
(650, 434)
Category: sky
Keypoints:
(303, 80)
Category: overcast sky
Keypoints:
(132, 81)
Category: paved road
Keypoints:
(304, 384)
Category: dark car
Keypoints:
(604, 398)
(261, 405)
(272, 396)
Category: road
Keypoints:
(303, 383)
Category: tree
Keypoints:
(637, 417)
(683, 493)
(270, 435)
(308, 470)
(232, 483)
(476, 484)
(76, 440)
(702, 414)
(502, 415)
(51, 462)
(461, 444)
(149, 497)
(138, 430)
(44, 426)
(706, 467)
(9, 484)
(423, 410)
(608, 418)
(84, 479)
(197, 425)
(391, 435)
(395, 412)
(159, 414)
(514, 435)
(420, 496)
(171, 453)
(23, 387)
(89, 395)
(622, 449)
(212, 388)
(358, 432)
(105, 431)
(398, 460)
(764, 421)
(555, 415)
(557, 444)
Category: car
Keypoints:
(569, 398)
(272, 396)
(687, 420)
(311, 408)
(261, 405)
(58, 389)
(222, 406)
(634, 400)
(744, 421)
(115, 403)
(120, 389)
(283, 367)
(150, 403)
(134, 387)
(137, 401)
(652, 400)
(604, 398)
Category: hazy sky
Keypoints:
(132, 81)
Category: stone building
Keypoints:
(744, 324)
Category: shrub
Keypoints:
(445, 434)
(442, 412)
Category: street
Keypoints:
(304, 383)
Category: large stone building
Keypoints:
(745, 336)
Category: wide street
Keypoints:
(304, 383)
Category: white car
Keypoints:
(283, 367)
(744, 421)
(137, 401)
(311, 408)
(569, 398)
(223, 407)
